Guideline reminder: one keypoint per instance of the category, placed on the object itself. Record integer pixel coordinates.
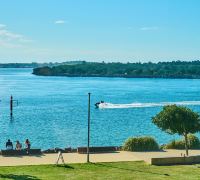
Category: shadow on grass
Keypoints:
(18, 177)
(127, 169)
(64, 166)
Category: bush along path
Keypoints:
(141, 144)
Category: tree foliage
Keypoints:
(177, 119)
(180, 120)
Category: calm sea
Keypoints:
(52, 111)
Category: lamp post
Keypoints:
(11, 105)
(88, 145)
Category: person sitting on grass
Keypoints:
(9, 145)
(28, 145)
(18, 146)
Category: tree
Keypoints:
(178, 119)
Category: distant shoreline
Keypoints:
(166, 70)
(16, 67)
(35, 64)
(133, 77)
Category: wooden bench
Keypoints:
(20, 152)
(101, 149)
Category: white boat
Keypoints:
(98, 104)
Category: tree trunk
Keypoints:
(186, 144)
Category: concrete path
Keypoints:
(81, 158)
(68, 158)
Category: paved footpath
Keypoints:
(81, 158)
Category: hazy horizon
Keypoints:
(43, 62)
(110, 31)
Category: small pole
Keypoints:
(88, 145)
(11, 105)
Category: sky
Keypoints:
(99, 30)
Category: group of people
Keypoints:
(18, 146)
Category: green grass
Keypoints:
(120, 170)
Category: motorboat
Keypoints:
(98, 104)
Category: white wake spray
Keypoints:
(106, 105)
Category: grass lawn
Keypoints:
(120, 170)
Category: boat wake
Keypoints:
(145, 105)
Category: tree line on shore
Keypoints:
(174, 69)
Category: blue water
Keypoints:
(52, 111)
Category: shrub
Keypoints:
(193, 143)
(175, 145)
(141, 144)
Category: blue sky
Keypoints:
(99, 30)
